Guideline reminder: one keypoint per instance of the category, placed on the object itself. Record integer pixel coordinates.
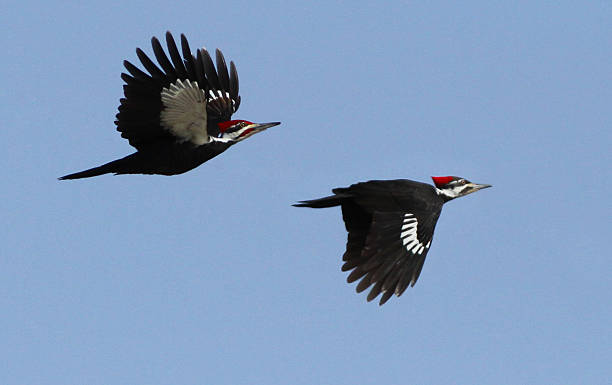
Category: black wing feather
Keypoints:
(234, 84)
(135, 71)
(201, 78)
(155, 72)
(222, 71)
(177, 61)
(162, 59)
(188, 58)
(209, 69)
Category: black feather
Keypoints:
(385, 297)
(188, 58)
(375, 291)
(234, 86)
(155, 72)
(177, 61)
(201, 78)
(162, 59)
(222, 71)
(135, 71)
(209, 69)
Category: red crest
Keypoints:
(442, 180)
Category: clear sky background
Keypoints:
(211, 277)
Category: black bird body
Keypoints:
(177, 116)
(390, 226)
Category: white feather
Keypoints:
(409, 235)
(184, 113)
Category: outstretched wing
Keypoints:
(389, 235)
(391, 255)
(180, 102)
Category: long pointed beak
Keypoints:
(477, 186)
(473, 187)
(258, 127)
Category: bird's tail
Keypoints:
(321, 203)
(116, 166)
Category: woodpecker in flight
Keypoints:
(390, 226)
(179, 116)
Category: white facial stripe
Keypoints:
(452, 192)
(409, 235)
(184, 112)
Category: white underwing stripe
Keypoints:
(184, 112)
(409, 235)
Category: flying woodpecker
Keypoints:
(177, 116)
(390, 226)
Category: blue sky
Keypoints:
(211, 277)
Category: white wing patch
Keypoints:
(184, 113)
(409, 235)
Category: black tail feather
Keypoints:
(116, 166)
(330, 201)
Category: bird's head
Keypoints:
(452, 187)
(238, 130)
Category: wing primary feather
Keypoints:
(364, 283)
(209, 68)
(374, 292)
(391, 280)
(355, 275)
(385, 297)
(222, 71)
(188, 58)
(128, 79)
(155, 72)
(234, 84)
(135, 71)
(201, 78)
(384, 269)
(353, 262)
(162, 59)
(179, 66)
(404, 280)
(417, 270)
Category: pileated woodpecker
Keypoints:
(179, 116)
(390, 226)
